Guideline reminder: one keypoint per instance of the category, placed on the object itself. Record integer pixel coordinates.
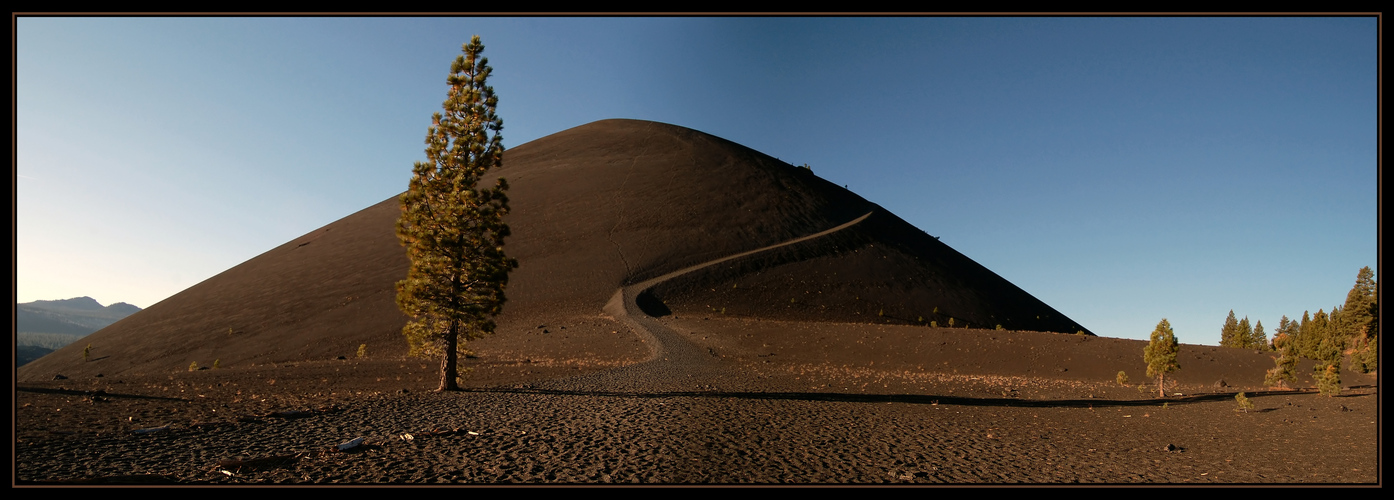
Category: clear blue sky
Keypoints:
(1122, 170)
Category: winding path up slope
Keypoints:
(673, 363)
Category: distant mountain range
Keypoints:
(42, 326)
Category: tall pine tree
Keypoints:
(1229, 333)
(452, 228)
(1361, 321)
(1259, 339)
(1305, 333)
(1245, 331)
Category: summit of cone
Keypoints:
(594, 208)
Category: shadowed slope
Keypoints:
(596, 207)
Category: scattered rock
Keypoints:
(351, 444)
(59, 377)
(1174, 448)
(258, 463)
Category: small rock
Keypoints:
(1221, 383)
(350, 444)
(59, 377)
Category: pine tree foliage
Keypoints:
(1306, 336)
(1284, 371)
(1229, 333)
(453, 229)
(1246, 330)
(1329, 380)
(1259, 339)
(1160, 355)
(1244, 404)
(1328, 354)
(1360, 321)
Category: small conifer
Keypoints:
(1285, 369)
(1244, 403)
(1160, 355)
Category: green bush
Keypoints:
(1244, 403)
(1122, 378)
(193, 366)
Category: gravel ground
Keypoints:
(760, 427)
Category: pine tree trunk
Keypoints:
(1161, 386)
(447, 366)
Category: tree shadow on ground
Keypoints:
(98, 393)
(912, 398)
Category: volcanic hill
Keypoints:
(594, 208)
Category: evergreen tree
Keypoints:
(452, 228)
(1327, 353)
(1366, 359)
(1160, 355)
(1305, 333)
(1259, 339)
(1285, 365)
(1246, 331)
(1360, 323)
(1329, 379)
(1285, 327)
(1361, 300)
(1229, 333)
